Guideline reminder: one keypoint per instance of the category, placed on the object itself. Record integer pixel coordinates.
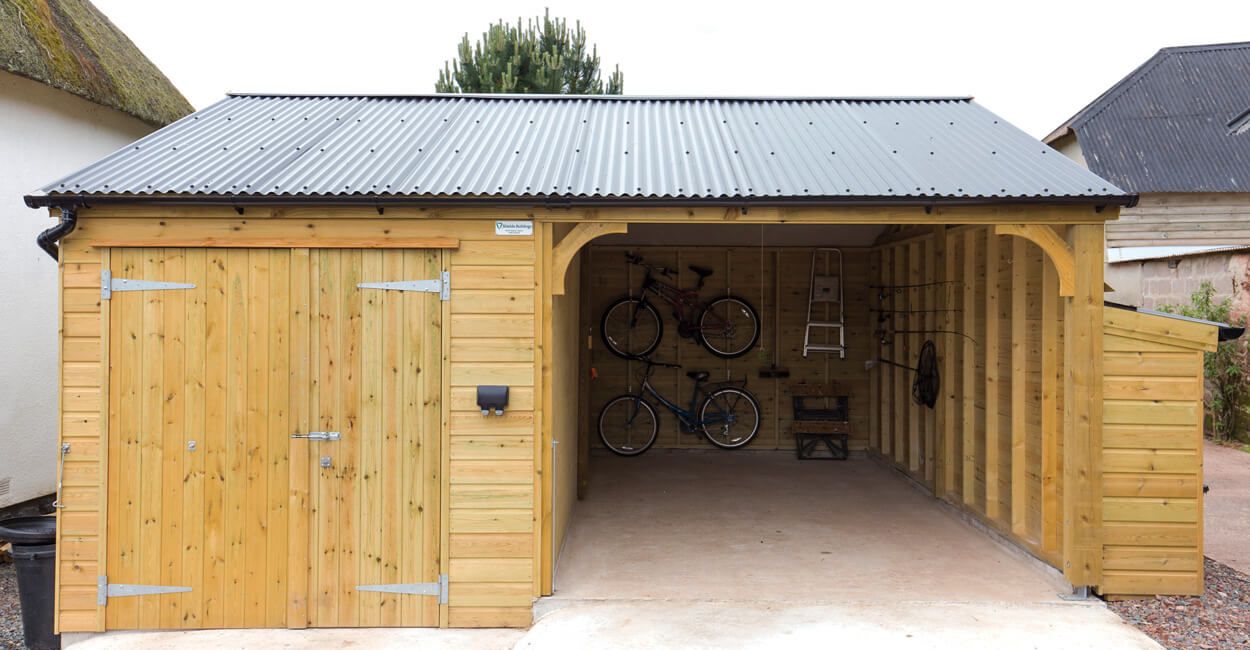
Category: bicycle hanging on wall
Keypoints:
(631, 327)
(728, 415)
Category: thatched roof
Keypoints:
(70, 45)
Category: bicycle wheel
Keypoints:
(628, 425)
(730, 418)
(631, 327)
(729, 327)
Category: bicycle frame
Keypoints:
(688, 417)
(685, 302)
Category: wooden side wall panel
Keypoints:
(84, 392)
(1151, 457)
(999, 367)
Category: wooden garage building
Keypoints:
(257, 431)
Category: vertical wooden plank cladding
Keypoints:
(198, 389)
(300, 506)
(173, 412)
(277, 443)
(194, 391)
(216, 418)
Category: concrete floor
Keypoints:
(765, 527)
(1226, 528)
(758, 550)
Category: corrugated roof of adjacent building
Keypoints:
(70, 45)
(1178, 123)
(587, 149)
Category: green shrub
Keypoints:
(1227, 389)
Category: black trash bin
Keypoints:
(34, 558)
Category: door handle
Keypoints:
(317, 435)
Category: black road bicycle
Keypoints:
(631, 327)
(728, 415)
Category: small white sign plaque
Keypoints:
(514, 228)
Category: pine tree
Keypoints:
(540, 57)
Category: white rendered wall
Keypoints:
(44, 134)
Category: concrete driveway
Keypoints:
(1226, 527)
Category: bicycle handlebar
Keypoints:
(637, 259)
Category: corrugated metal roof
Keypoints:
(1175, 124)
(587, 148)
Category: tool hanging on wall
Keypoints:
(885, 290)
(826, 289)
(928, 381)
(772, 370)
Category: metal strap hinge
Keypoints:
(441, 286)
(109, 284)
(415, 588)
(104, 590)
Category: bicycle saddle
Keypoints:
(699, 375)
(702, 271)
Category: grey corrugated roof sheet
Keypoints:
(1178, 123)
(574, 149)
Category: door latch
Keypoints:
(325, 462)
(317, 435)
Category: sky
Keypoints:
(1033, 63)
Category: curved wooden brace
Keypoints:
(581, 234)
(1058, 250)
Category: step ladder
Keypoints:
(823, 290)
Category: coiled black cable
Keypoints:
(924, 390)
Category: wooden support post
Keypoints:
(969, 410)
(1052, 511)
(915, 416)
(874, 375)
(898, 354)
(887, 372)
(931, 322)
(1019, 374)
(946, 432)
(544, 410)
(989, 346)
(584, 416)
(1082, 438)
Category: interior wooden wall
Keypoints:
(775, 281)
(993, 442)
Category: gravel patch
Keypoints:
(10, 612)
(1220, 618)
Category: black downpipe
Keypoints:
(48, 239)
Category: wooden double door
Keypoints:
(274, 445)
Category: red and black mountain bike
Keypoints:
(631, 327)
